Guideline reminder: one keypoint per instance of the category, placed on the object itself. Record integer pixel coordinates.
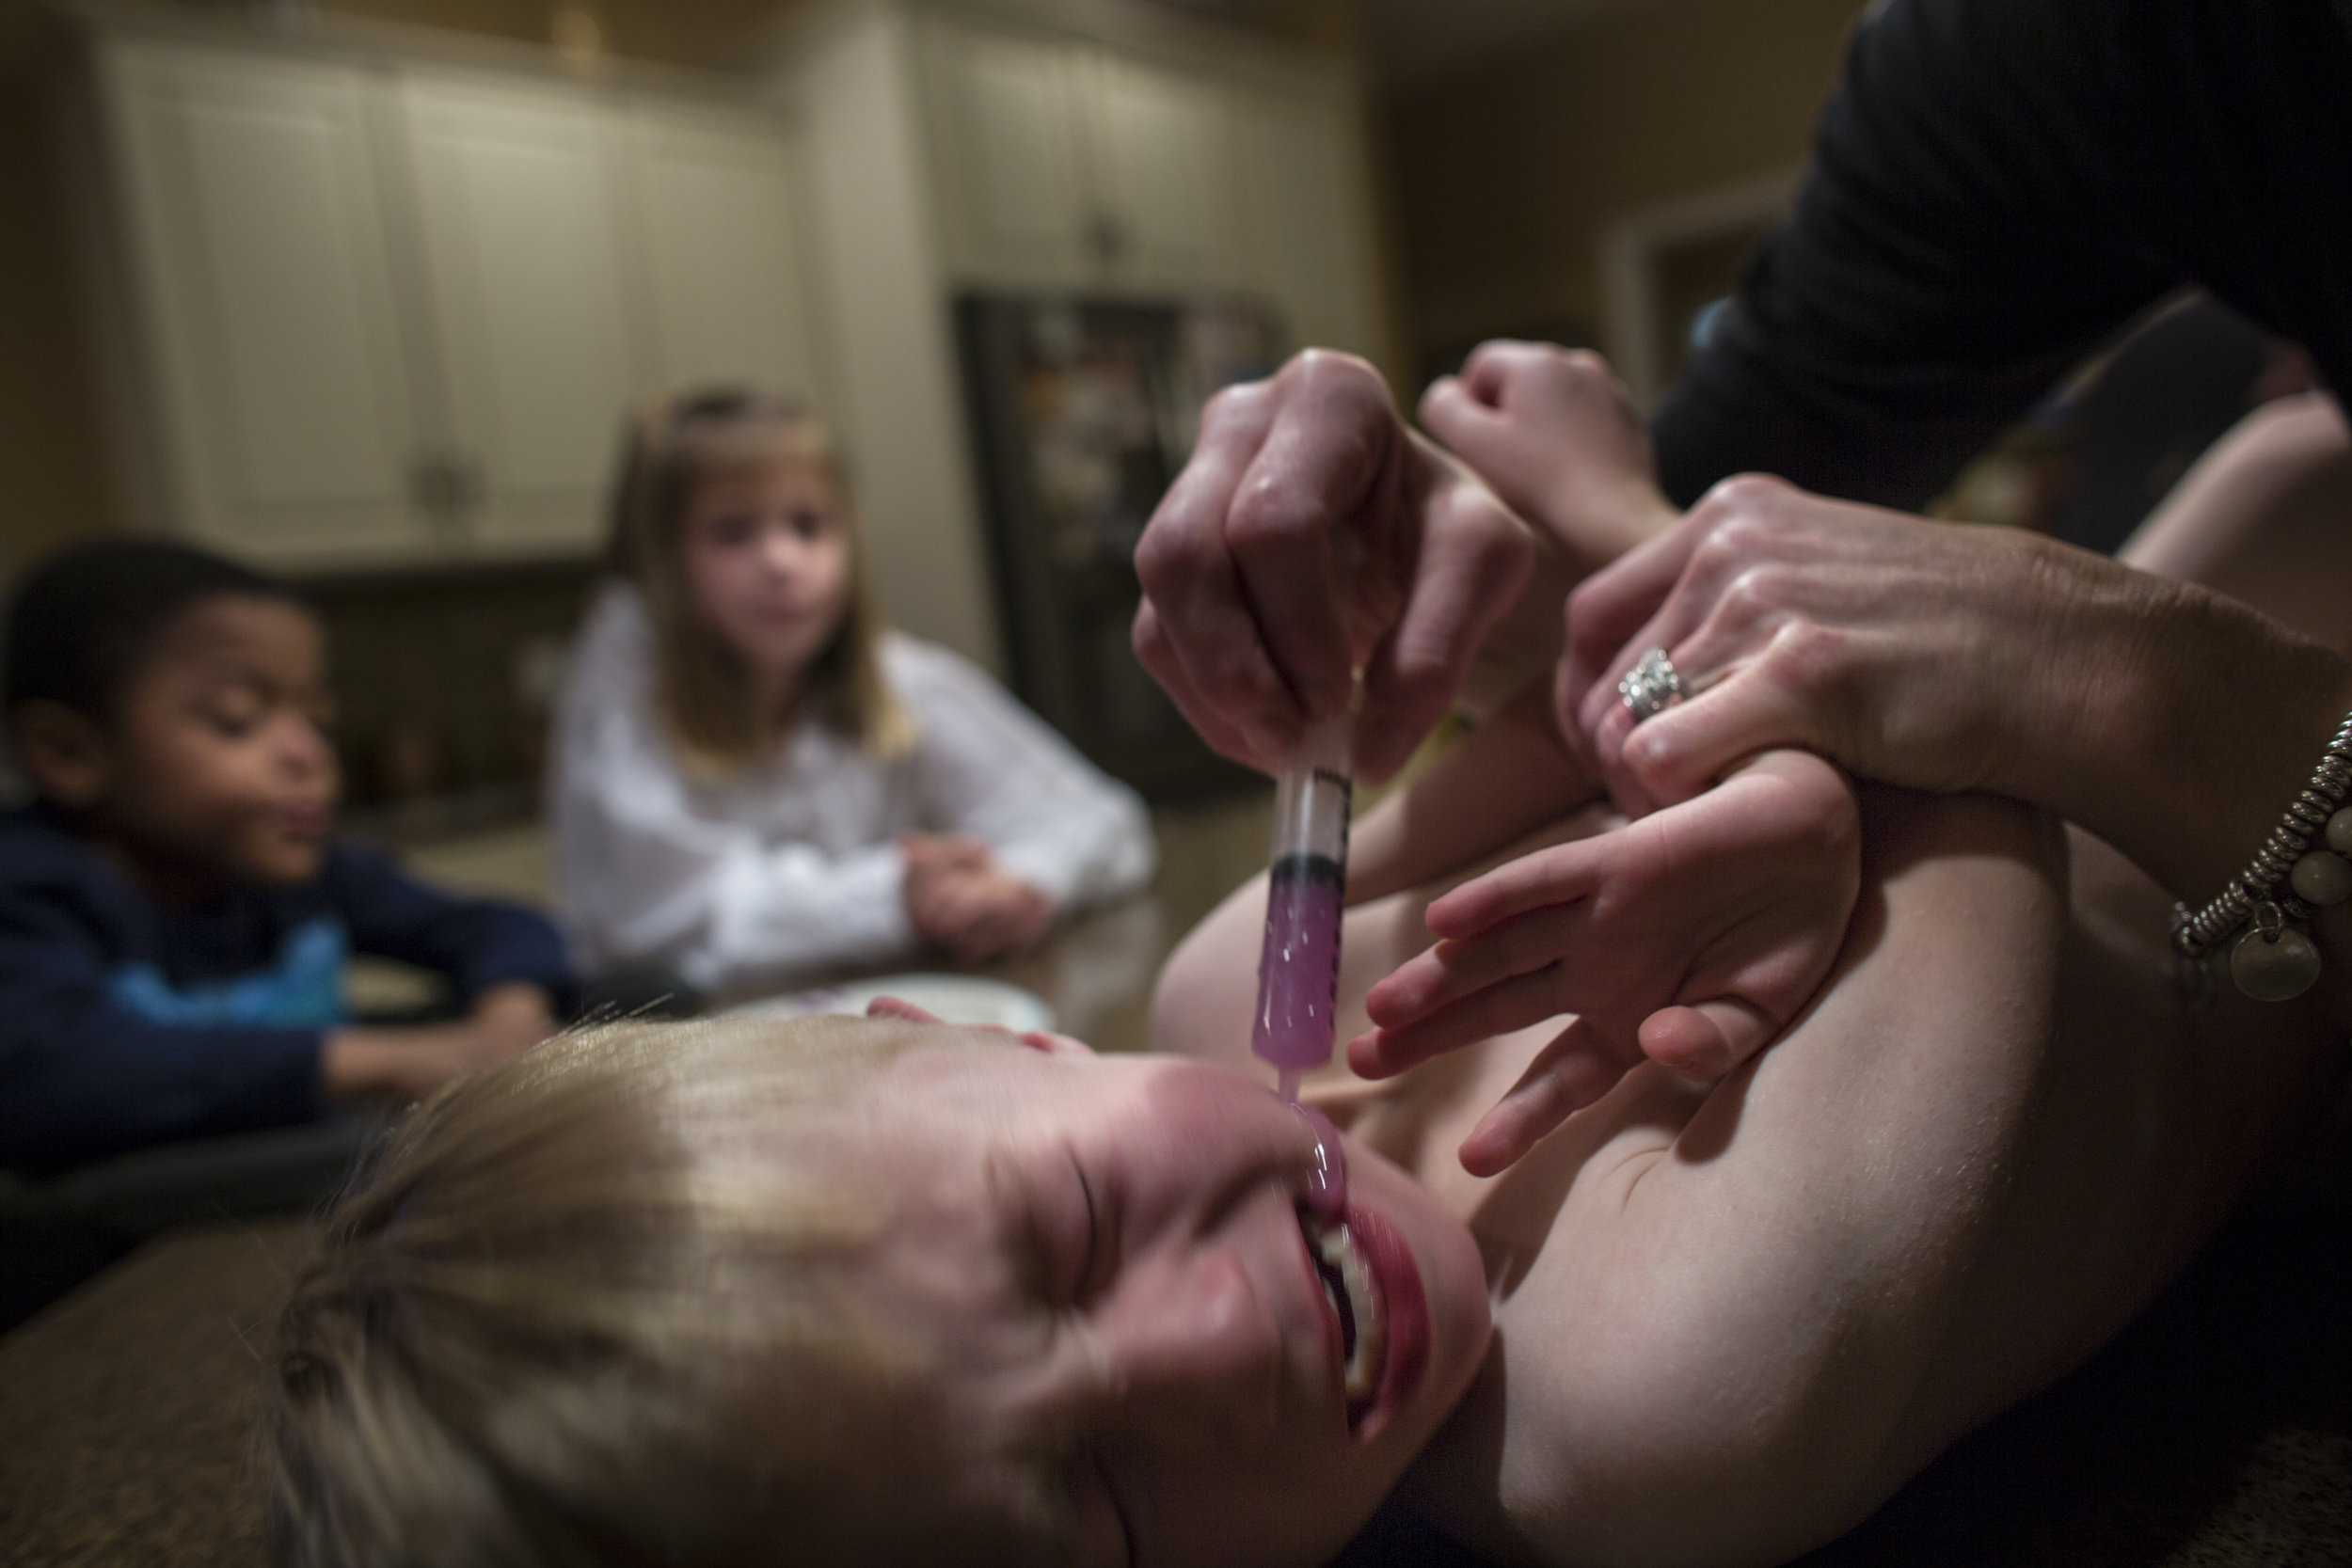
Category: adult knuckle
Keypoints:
(1167, 555)
(1149, 640)
(1750, 595)
(1240, 404)
(1321, 374)
(1265, 511)
(1748, 494)
(1718, 553)
(1811, 661)
(1806, 649)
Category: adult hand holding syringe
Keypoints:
(1252, 619)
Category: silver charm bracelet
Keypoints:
(2275, 959)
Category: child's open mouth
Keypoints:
(1353, 1295)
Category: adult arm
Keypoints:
(2172, 721)
(1976, 216)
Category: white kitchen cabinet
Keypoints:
(519, 216)
(1007, 126)
(1305, 212)
(388, 310)
(727, 282)
(1062, 163)
(1163, 175)
(258, 261)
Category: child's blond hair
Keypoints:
(595, 1307)
(674, 443)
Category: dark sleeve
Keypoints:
(477, 942)
(1971, 225)
(81, 1079)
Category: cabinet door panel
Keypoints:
(254, 210)
(1159, 156)
(531, 314)
(1308, 216)
(1014, 181)
(723, 254)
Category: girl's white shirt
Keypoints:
(793, 863)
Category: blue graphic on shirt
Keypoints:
(303, 990)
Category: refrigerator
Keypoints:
(1082, 411)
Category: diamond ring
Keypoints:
(1649, 686)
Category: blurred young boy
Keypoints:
(174, 917)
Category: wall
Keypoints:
(1505, 175)
(51, 477)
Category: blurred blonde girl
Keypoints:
(750, 776)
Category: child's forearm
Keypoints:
(408, 1062)
(1507, 777)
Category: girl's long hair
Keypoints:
(674, 443)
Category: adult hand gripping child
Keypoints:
(1692, 936)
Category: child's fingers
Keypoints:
(1560, 875)
(1704, 1041)
(1498, 1009)
(1454, 969)
(1570, 1073)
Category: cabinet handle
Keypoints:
(432, 484)
(445, 486)
(1106, 239)
(466, 475)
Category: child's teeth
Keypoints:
(1366, 1357)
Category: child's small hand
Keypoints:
(409, 1063)
(1552, 431)
(929, 855)
(1692, 936)
(507, 1020)
(958, 898)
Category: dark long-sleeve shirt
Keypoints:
(124, 1024)
(1998, 186)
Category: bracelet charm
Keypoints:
(2272, 961)
(2267, 907)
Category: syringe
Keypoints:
(1298, 967)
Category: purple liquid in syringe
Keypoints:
(1298, 969)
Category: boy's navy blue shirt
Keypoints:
(124, 1024)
